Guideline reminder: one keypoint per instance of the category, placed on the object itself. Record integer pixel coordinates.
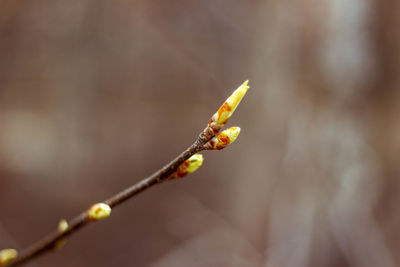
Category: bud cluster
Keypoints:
(221, 117)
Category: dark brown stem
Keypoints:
(48, 242)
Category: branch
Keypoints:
(185, 163)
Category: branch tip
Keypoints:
(221, 117)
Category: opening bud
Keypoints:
(99, 211)
(7, 255)
(221, 117)
(224, 139)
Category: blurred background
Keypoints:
(96, 95)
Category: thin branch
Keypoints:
(48, 242)
(207, 140)
(160, 175)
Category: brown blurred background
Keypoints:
(96, 95)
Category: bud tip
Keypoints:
(221, 117)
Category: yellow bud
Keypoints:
(189, 166)
(221, 117)
(62, 226)
(99, 211)
(7, 255)
(224, 139)
(195, 162)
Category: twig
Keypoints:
(47, 243)
(179, 167)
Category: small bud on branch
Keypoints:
(99, 211)
(190, 165)
(224, 139)
(62, 227)
(6, 255)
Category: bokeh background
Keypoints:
(96, 95)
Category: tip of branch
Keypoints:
(221, 117)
